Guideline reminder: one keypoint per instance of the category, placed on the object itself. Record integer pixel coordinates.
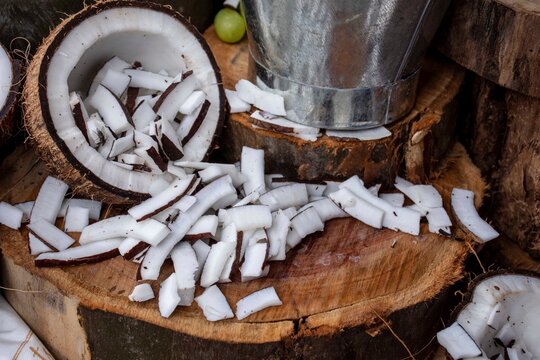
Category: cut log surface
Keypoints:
(417, 142)
(336, 287)
(497, 39)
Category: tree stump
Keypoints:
(417, 143)
(349, 292)
(501, 45)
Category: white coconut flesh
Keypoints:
(257, 301)
(10, 215)
(502, 316)
(131, 34)
(465, 211)
(6, 77)
(141, 292)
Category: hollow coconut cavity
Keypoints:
(498, 320)
(9, 82)
(62, 77)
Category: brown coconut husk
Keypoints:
(49, 147)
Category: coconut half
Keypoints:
(9, 86)
(498, 319)
(137, 32)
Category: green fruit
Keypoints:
(229, 25)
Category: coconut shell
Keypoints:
(49, 147)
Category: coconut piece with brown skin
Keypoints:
(9, 87)
(52, 76)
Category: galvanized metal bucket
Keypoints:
(341, 64)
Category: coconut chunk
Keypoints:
(376, 133)
(306, 222)
(93, 206)
(248, 217)
(191, 123)
(465, 212)
(152, 158)
(116, 81)
(395, 218)
(150, 231)
(80, 114)
(277, 235)
(50, 235)
(96, 130)
(130, 159)
(26, 208)
(285, 197)
(279, 124)
(148, 80)
(77, 218)
(214, 304)
(114, 113)
(84, 254)
(10, 216)
(315, 189)
(37, 246)
(168, 298)
(176, 171)
(203, 228)
(215, 262)
(257, 301)
(230, 235)
(121, 145)
(130, 247)
(236, 104)
(115, 63)
(49, 200)
(254, 259)
(174, 96)
(252, 166)
(438, 219)
(358, 208)
(185, 268)
(206, 197)
(141, 293)
(143, 115)
(166, 198)
(193, 101)
(211, 171)
(394, 199)
(326, 209)
(168, 140)
(202, 250)
(115, 227)
(261, 99)
(457, 342)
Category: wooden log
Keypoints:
(504, 141)
(336, 289)
(417, 142)
(497, 39)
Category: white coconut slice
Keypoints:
(257, 301)
(116, 81)
(37, 246)
(231, 235)
(83, 254)
(26, 208)
(77, 218)
(152, 159)
(394, 199)
(252, 166)
(158, 186)
(172, 37)
(438, 219)
(261, 99)
(176, 171)
(236, 104)
(10, 216)
(168, 141)
(206, 197)
(150, 231)
(214, 304)
(331, 186)
(143, 115)
(80, 114)
(215, 262)
(248, 199)
(203, 228)
(130, 247)
(141, 293)
(395, 218)
(105, 147)
(131, 159)
(114, 113)
(375, 189)
(277, 236)
(458, 343)
(254, 259)
(248, 217)
(93, 206)
(115, 227)
(285, 196)
(307, 222)
(121, 145)
(326, 209)
(193, 101)
(466, 214)
(190, 124)
(175, 95)
(166, 198)
(315, 190)
(376, 133)
(185, 268)
(424, 196)
(115, 63)
(168, 298)
(358, 208)
(211, 171)
(148, 80)
(500, 313)
(49, 200)
(50, 235)
(285, 126)
(96, 131)
(202, 250)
